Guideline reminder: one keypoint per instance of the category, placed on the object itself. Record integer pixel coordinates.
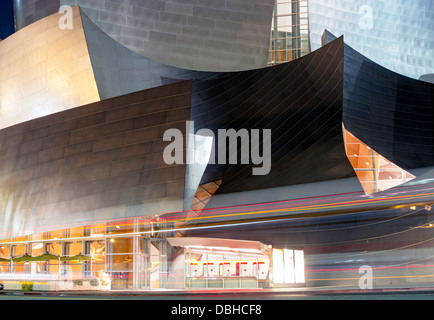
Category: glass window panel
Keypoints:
(76, 232)
(281, 44)
(55, 234)
(4, 251)
(98, 230)
(37, 249)
(122, 262)
(19, 250)
(284, 8)
(287, 31)
(284, 21)
(278, 270)
(122, 245)
(97, 251)
(288, 258)
(75, 248)
(56, 248)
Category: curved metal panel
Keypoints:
(213, 35)
(301, 102)
(45, 69)
(234, 100)
(404, 29)
(94, 162)
(427, 78)
(229, 100)
(119, 71)
(390, 113)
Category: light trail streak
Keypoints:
(374, 278)
(313, 214)
(231, 212)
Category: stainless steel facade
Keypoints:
(216, 35)
(427, 78)
(44, 70)
(82, 166)
(29, 11)
(223, 35)
(397, 34)
(99, 161)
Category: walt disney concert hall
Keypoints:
(301, 137)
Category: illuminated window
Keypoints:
(288, 266)
(375, 172)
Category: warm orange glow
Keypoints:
(375, 173)
(97, 251)
(203, 195)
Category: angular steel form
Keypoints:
(303, 103)
(86, 123)
(45, 70)
(134, 71)
(404, 29)
(321, 91)
(235, 35)
(391, 113)
(374, 172)
(388, 112)
(215, 35)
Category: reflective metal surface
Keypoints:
(213, 35)
(29, 11)
(45, 69)
(427, 78)
(99, 161)
(394, 33)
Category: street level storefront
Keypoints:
(140, 255)
(227, 264)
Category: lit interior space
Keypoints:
(375, 172)
(143, 254)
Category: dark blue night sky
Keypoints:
(6, 18)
